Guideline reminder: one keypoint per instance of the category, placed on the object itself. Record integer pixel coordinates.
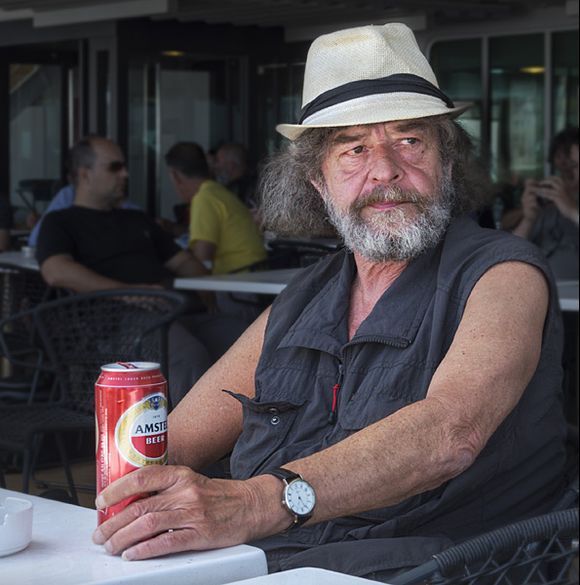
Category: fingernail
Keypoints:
(128, 555)
(99, 503)
(109, 546)
(98, 537)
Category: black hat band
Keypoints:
(400, 82)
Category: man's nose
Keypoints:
(385, 166)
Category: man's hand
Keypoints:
(186, 511)
(530, 204)
(530, 210)
(553, 189)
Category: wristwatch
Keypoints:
(299, 497)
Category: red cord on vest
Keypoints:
(332, 417)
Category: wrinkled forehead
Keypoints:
(348, 133)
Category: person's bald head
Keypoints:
(98, 171)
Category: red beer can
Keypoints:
(131, 423)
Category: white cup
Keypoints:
(28, 251)
(15, 525)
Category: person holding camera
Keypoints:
(550, 207)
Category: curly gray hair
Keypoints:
(291, 206)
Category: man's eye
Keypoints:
(357, 150)
(410, 141)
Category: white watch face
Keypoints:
(300, 497)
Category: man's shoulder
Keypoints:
(130, 212)
(469, 250)
(466, 236)
(62, 215)
(212, 190)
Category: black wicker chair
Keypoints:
(76, 335)
(20, 289)
(538, 551)
(34, 191)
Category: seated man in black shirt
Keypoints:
(95, 245)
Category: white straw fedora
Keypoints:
(367, 75)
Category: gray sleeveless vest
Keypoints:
(389, 364)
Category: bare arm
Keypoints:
(204, 251)
(417, 448)
(530, 210)
(184, 263)
(206, 423)
(64, 272)
(431, 441)
(554, 189)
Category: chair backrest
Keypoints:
(298, 253)
(32, 191)
(540, 550)
(80, 333)
(20, 289)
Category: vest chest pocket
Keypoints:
(378, 392)
(265, 427)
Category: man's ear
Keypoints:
(316, 185)
(175, 176)
(82, 174)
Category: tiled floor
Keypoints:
(54, 478)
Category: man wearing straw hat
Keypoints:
(400, 395)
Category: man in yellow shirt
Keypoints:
(222, 232)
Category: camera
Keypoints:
(542, 186)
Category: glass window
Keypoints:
(179, 98)
(517, 107)
(141, 137)
(457, 66)
(35, 132)
(279, 100)
(565, 79)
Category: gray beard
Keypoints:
(391, 235)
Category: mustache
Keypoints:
(382, 194)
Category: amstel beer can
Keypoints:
(131, 423)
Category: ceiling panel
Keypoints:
(282, 13)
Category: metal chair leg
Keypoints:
(26, 470)
(66, 466)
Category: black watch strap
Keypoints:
(284, 474)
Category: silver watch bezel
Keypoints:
(299, 518)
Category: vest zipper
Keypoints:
(334, 407)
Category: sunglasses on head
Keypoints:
(116, 166)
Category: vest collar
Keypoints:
(394, 321)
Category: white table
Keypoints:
(271, 282)
(568, 294)
(307, 576)
(18, 259)
(62, 553)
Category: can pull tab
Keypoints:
(127, 365)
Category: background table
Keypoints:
(275, 281)
(271, 282)
(568, 294)
(62, 553)
(18, 259)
